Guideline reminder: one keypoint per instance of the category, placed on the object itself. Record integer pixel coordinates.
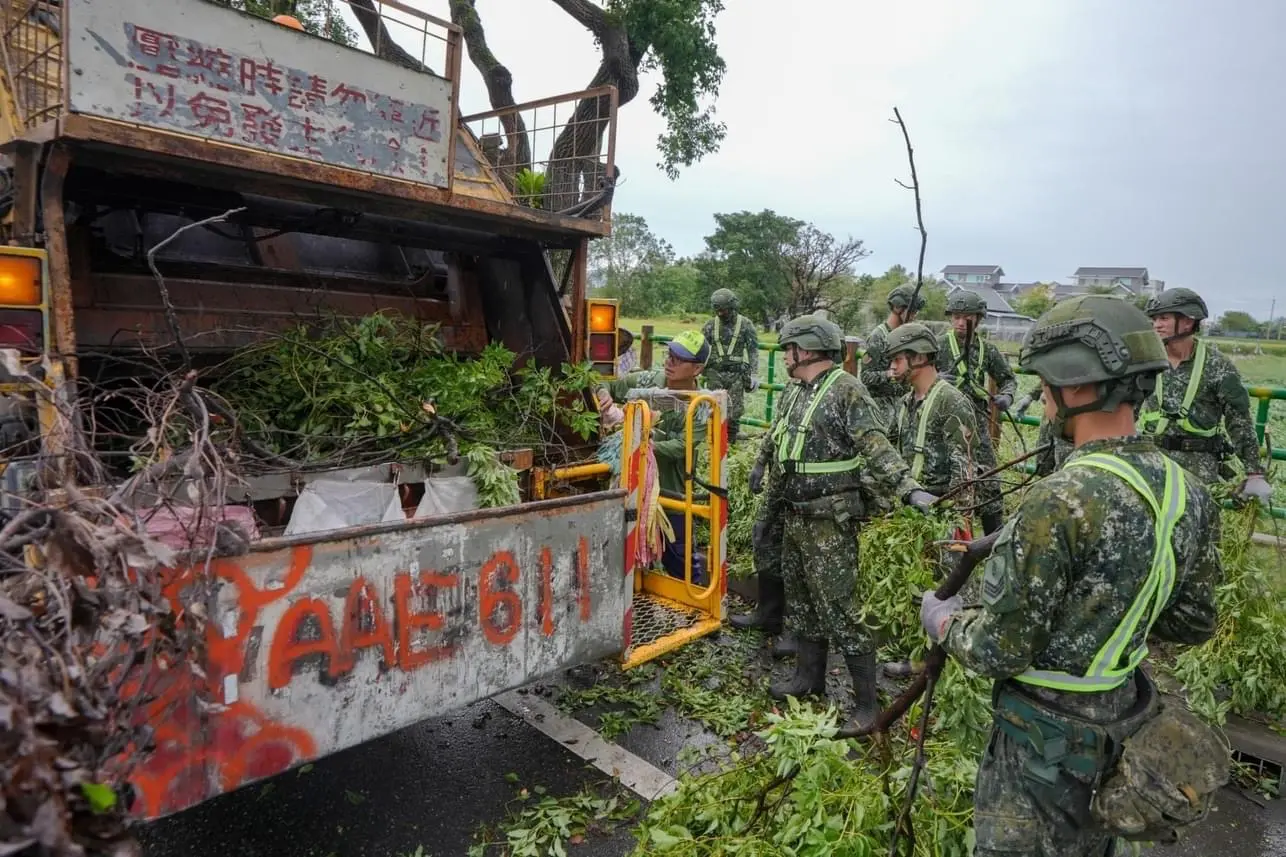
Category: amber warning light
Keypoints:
(603, 341)
(22, 298)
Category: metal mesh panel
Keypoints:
(654, 619)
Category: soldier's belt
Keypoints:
(1060, 739)
(728, 366)
(1185, 443)
(841, 507)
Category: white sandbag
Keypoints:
(447, 496)
(332, 505)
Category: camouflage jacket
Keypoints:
(669, 432)
(885, 391)
(948, 455)
(970, 372)
(767, 451)
(1222, 396)
(1070, 562)
(843, 427)
(730, 344)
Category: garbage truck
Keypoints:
(358, 186)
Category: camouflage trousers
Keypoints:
(819, 565)
(1017, 816)
(767, 541)
(735, 382)
(987, 494)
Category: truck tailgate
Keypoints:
(318, 644)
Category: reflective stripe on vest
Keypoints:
(722, 352)
(790, 442)
(978, 383)
(1106, 671)
(922, 428)
(1156, 422)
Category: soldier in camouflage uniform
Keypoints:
(835, 464)
(734, 356)
(766, 542)
(1076, 583)
(969, 359)
(885, 391)
(934, 428)
(685, 358)
(1199, 390)
(1059, 448)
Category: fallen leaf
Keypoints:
(101, 798)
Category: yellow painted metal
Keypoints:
(670, 642)
(582, 471)
(683, 596)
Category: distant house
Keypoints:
(973, 276)
(1002, 320)
(1126, 282)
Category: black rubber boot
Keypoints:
(786, 646)
(769, 609)
(810, 672)
(866, 705)
(992, 521)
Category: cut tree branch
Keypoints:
(587, 14)
(499, 82)
(919, 215)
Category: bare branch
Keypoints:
(919, 215)
(588, 15)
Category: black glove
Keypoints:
(757, 478)
(1003, 401)
(921, 500)
(757, 533)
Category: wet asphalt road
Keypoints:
(424, 792)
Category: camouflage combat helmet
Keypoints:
(1180, 302)
(812, 334)
(914, 337)
(723, 299)
(1095, 339)
(965, 302)
(900, 298)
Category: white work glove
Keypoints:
(921, 500)
(936, 612)
(610, 414)
(1256, 487)
(1003, 401)
(754, 383)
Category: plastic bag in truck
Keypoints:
(328, 504)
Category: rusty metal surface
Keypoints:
(204, 70)
(152, 152)
(319, 644)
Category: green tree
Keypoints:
(319, 17)
(748, 253)
(1235, 321)
(625, 265)
(672, 41)
(1035, 302)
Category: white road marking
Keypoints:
(638, 775)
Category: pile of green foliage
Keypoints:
(352, 391)
(1241, 670)
(808, 794)
(743, 508)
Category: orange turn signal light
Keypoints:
(21, 280)
(602, 318)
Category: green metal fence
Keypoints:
(1264, 396)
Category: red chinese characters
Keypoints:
(211, 113)
(208, 65)
(155, 44)
(430, 125)
(161, 95)
(260, 125)
(307, 95)
(265, 77)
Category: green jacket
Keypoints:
(669, 439)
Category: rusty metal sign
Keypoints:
(197, 68)
(318, 644)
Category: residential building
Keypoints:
(1134, 281)
(973, 276)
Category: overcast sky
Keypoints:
(1049, 134)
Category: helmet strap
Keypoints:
(1181, 336)
(818, 357)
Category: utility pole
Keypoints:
(1272, 316)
